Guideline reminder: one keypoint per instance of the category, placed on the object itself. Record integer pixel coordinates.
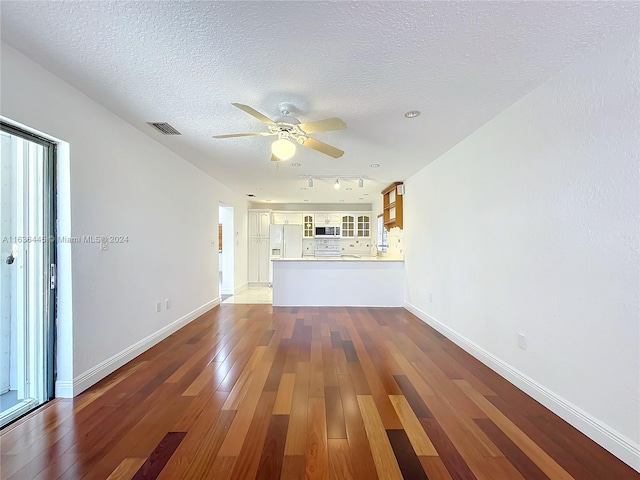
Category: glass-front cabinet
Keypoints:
(348, 226)
(307, 230)
(364, 226)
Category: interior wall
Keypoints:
(124, 184)
(530, 226)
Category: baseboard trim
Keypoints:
(619, 445)
(110, 365)
(63, 389)
(241, 287)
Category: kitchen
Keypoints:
(325, 256)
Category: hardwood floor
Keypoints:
(252, 391)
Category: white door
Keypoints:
(263, 262)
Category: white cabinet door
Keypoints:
(327, 218)
(253, 259)
(264, 222)
(363, 226)
(347, 221)
(258, 260)
(263, 262)
(287, 218)
(308, 230)
(259, 221)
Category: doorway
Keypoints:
(226, 249)
(27, 271)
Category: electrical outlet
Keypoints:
(158, 307)
(166, 304)
(522, 341)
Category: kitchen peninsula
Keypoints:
(350, 280)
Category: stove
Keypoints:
(327, 250)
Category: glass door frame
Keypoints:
(49, 255)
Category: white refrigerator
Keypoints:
(285, 241)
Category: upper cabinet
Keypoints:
(392, 205)
(283, 218)
(356, 225)
(328, 218)
(348, 224)
(308, 224)
(259, 221)
(363, 226)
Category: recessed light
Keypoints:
(361, 198)
(267, 200)
(412, 114)
(306, 200)
(258, 188)
(348, 188)
(295, 164)
(365, 194)
(342, 200)
(303, 188)
(375, 165)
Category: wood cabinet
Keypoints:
(327, 218)
(284, 218)
(392, 205)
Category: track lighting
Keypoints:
(310, 182)
(360, 182)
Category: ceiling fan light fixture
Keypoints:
(283, 149)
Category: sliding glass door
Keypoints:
(27, 272)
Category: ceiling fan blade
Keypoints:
(323, 125)
(323, 147)
(251, 134)
(254, 113)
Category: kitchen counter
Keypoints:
(345, 258)
(350, 280)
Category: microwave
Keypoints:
(327, 232)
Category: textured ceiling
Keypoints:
(184, 63)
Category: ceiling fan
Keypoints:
(290, 131)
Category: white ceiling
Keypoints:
(368, 63)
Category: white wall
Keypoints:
(121, 182)
(228, 248)
(530, 225)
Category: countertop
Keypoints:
(343, 258)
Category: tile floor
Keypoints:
(252, 294)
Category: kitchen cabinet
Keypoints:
(347, 222)
(258, 246)
(392, 205)
(356, 225)
(327, 218)
(259, 221)
(308, 226)
(363, 226)
(286, 218)
(258, 260)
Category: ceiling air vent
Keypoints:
(164, 128)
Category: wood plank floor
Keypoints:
(252, 391)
